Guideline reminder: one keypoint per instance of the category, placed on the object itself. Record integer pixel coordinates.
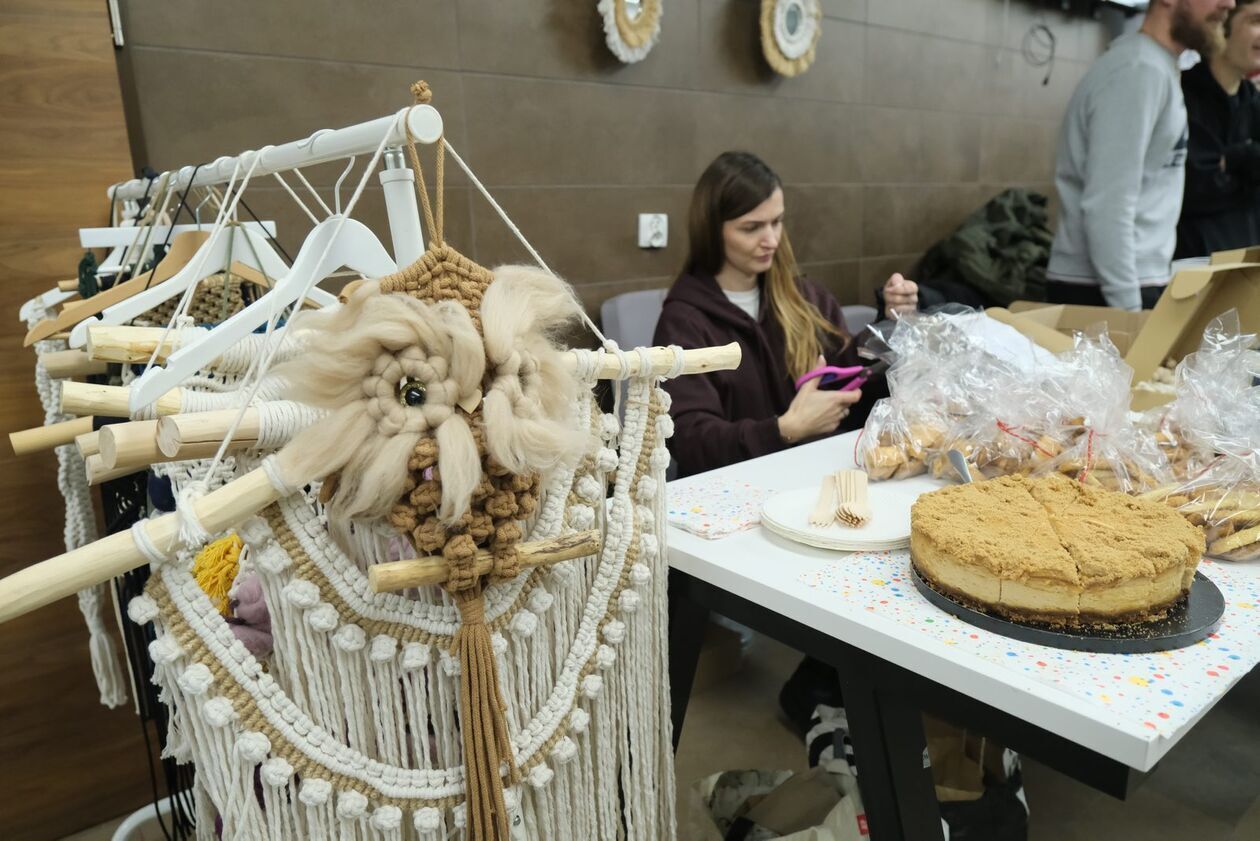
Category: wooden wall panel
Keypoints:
(66, 762)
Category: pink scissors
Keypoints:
(829, 374)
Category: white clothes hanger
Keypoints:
(335, 242)
(213, 256)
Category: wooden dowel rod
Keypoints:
(97, 472)
(110, 400)
(68, 285)
(695, 361)
(177, 432)
(418, 572)
(88, 444)
(125, 444)
(136, 344)
(48, 437)
(111, 343)
(68, 573)
(61, 364)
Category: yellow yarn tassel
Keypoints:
(216, 567)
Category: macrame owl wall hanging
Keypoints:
(526, 697)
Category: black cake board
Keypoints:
(1187, 623)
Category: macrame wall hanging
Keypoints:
(789, 34)
(631, 27)
(80, 522)
(511, 680)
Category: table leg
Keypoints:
(889, 746)
(687, 623)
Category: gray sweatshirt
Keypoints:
(1119, 171)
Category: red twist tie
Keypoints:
(856, 444)
(1011, 430)
(1089, 458)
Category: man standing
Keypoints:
(1221, 209)
(1120, 167)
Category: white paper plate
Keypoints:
(787, 514)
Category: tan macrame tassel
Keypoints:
(483, 725)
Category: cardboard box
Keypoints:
(1052, 325)
(1123, 327)
(1193, 298)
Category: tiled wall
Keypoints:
(914, 113)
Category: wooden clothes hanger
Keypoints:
(183, 247)
(335, 242)
(211, 258)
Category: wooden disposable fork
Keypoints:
(852, 505)
(824, 513)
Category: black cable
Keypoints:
(274, 241)
(1039, 36)
(160, 251)
(152, 176)
(183, 203)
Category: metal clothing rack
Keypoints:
(325, 145)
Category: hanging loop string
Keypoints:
(423, 96)
(517, 233)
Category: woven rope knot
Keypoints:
(421, 91)
(507, 562)
(472, 608)
(460, 553)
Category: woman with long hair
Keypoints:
(741, 284)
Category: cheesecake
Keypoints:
(1055, 551)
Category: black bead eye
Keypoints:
(411, 393)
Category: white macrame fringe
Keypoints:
(80, 525)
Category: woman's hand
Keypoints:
(900, 296)
(815, 412)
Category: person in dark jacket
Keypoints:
(741, 284)
(1221, 207)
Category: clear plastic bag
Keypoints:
(1102, 445)
(898, 439)
(928, 386)
(1215, 422)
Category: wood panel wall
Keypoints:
(66, 762)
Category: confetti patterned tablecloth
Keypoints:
(717, 509)
(1147, 694)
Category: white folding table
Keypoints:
(1103, 719)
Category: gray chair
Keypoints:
(630, 319)
(857, 317)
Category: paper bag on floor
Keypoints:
(958, 760)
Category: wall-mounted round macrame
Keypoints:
(789, 34)
(631, 27)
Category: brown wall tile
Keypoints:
(400, 32)
(731, 58)
(531, 131)
(586, 234)
(199, 107)
(566, 41)
(1013, 150)
(805, 142)
(854, 10)
(914, 113)
(902, 219)
(912, 146)
(841, 279)
(825, 222)
(961, 20)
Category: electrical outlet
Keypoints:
(653, 230)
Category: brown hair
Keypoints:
(734, 184)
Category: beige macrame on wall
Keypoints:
(789, 34)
